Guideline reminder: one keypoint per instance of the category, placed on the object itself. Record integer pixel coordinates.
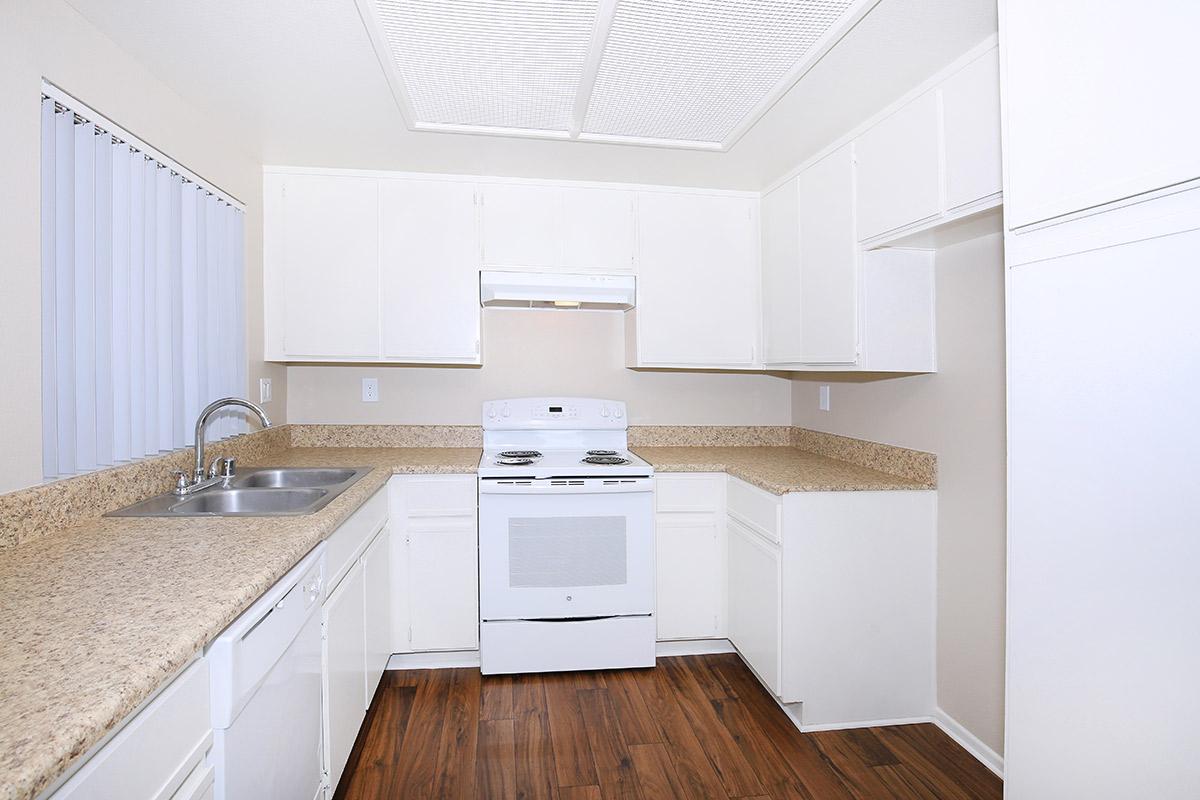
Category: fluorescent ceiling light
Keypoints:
(676, 73)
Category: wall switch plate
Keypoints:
(370, 390)
(824, 397)
(264, 390)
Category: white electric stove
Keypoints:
(566, 538)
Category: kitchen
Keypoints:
(835, 293)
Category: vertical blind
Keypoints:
(143, 308)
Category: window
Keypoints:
(143, 308)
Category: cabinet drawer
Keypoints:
(694, 493)
(351, 538)
(756, 509)
(153, 755)
(437, 495)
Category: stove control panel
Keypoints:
(549, 413)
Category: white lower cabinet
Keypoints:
(159, 753)
(755, 567)
(355, 627)
(377, 610)
(690, 555)
(435, 558)
(344, 670)
(838, 613)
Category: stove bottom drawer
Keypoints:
(607, 643)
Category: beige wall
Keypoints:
(538, 353)
(957, 413)
(48, 39)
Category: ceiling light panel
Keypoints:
(512, 64)
(692, 70)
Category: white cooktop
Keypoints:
(562, 464)
(562, 429)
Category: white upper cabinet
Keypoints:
(324, 246)
(596, 229)
(519, 226)
(429, 271)
(698, 275)
(810, 292)
(899, 169)
(971, 131)
(1099, 106)
(535, 226)
(780, 212)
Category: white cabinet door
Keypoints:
(519, 225)
(377, 605)
(344, 670)
(429, 271)
(595, 229)
(754, 601)
(689, 576)
(971, 131)
(558, 227)
(1100, 103)
(781, 275)
(327, 243)
(828, 298)
(898, 169)
(697, 300)
(443, 581)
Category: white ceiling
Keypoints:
(302, 84)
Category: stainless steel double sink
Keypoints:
(255, 492)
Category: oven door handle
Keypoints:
(565, 485)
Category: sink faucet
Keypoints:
(201, 479)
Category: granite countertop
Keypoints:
(778, 470)
(94, 617)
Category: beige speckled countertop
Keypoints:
(777, 469)
(94, 617)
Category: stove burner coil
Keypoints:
(601, 452)
(504, 454)
(606, 460)
(514, 462)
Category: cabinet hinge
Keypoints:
(410, 634)
(476, 347)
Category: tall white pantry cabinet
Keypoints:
(1102, 241)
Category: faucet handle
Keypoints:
(223, 468)
(181, 481)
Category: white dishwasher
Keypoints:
(266, 692)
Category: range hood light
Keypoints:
(541, 289)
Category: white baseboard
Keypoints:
(447, 659)
(693, 647)
(444, 659)
(848, 726)
(969, 741)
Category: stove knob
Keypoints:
(491, 412)
(618, 413)
(604, 411)
(505, 412)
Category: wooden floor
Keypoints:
(694, 727)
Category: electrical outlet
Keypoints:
(370, 390)
(824, 397)
(264, 390)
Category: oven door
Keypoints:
(559, 549)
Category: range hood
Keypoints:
(498, 288)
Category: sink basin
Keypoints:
(249, 501)
(293, 477)
(255, 492)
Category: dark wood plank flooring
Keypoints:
(694, 727)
